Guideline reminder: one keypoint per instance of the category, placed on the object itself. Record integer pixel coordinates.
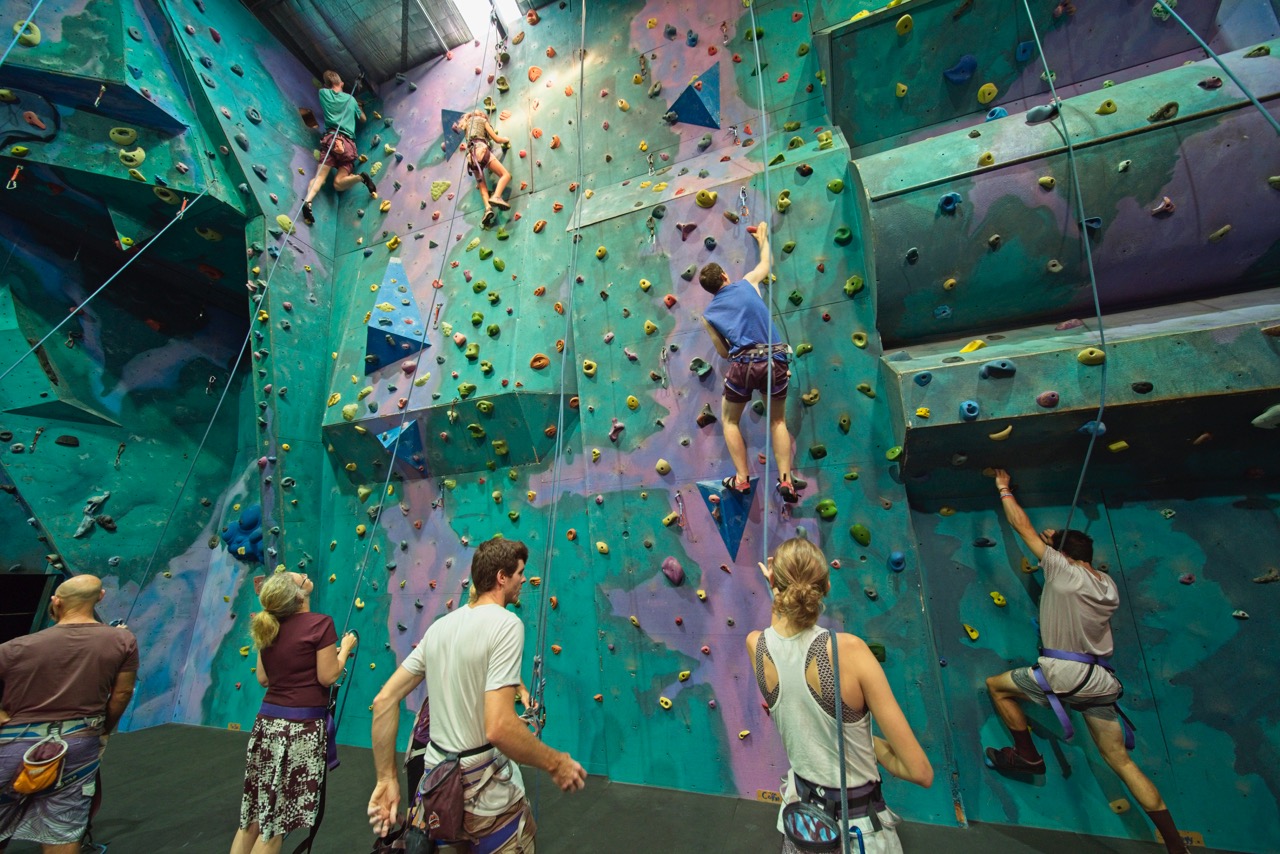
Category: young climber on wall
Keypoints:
(742, 331)
(1073, 669)
(340, 113)
(478, 133)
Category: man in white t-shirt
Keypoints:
(1073, 668)
(471, 662)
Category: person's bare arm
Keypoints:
(1017, 516)
(508, 733)
(717, 340)
(493, 135)
(121, 694)
(760, 272)
(331, 660)
(899, 751)
(261, 672)
(384, 803)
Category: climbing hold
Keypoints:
(662, 467)
(904, 25)
(861, 534)
(969, 410)
(987, 93)
(897, 561)
(1210, 83)
(997, 369)
(853, 285)
(602, 547)
(893, 453)
(963, 70)
(601, 252)
(859, 340)
(1093, 428)
(970, 631)
(1106, 108)
(1117, 447)
(835, 186)
(923, 378)
(674, 572)
(949, 202)
(664, 702)
(1091, 356)
(28, 33)
(998, 599)
(986, 159)
(123, 136)
(1164, 113)
(1054, 265)
(1219, 234)
(1165, 207)
(650, 327)
(826, 508)
(1268, 420)
(866, 389)
(810, 397)
(784, 201)
(1256, 53)
(1240, 615)
(844, 234)
(1001, 435)
(1047, 399)
(709, 242)
(1048, 182)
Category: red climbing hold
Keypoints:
(796, 16)
(215, 35)
(786, 75)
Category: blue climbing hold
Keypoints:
(1094, 428)
(996, 113)
(923, 378)
(942, 312)
(243, 537)
(691, 38)
(969, 410)
(998, 369)
(963, 70)
(1042, 113)
(1093, 223)
(949, 202)
(897, 561)
(1025, 51)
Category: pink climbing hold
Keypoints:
(33, 120)
(1165, 207)
(1073, 323)
(1187, 578)
(685, 229)
(408, 366)
(1047, 399)
(672, 569)
(616, 430)
(262, 463)
(669, 300)
(215, 35)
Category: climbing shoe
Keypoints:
(307, 216)
(499, 202)
(490, 219)
(1008, 759)
(368, 182)
(788, 492)
(732, 484)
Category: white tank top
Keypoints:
(804, 721)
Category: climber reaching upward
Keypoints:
(340, 113)
(740, 328)
(480, 155)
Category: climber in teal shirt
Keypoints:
(338, 144)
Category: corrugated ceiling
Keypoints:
(380, 37)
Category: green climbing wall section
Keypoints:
(413, 383)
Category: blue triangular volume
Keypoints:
(701, 108)
(730, 512)
(395, 329)
(409, 451)
(452, 138)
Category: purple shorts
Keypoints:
(744, 378)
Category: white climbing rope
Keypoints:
(75, 311)
(1275, 123)
(1061, 121)
(20, 30)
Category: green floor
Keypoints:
(177, 788)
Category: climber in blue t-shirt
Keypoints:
(743, 332)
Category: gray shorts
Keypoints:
(1102, 707)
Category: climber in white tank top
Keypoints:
(792, 663)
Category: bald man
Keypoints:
(73, 680)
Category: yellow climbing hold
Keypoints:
(1106, 108)
(650, 327)
(706, 198)
(602, 547)
(664, 702)
(244, 652)
(633, 402)
(685, 674)
(998, 599)
(1091, 356)
(349, 412)
(1219, 234)
(702, 595)
(987, 93)
(635, 621)
(601, 252)
(973, 345)
(923, 412)
(28, 33)
(359, 604)
(904, 25)
(394, 243)
(1002, 435)
(1048, 182)
(986, 159)
(949, 284)
(900, 90)
(644, 146)
(361, 530)
(1117, 447)
(858, 16)
(132, 158)
(662, 467)
(743, 735)
(385, 206)
(645, 284)
(588, 367)
(971, 632)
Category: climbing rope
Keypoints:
(75, 311)
(1073, 169)
(1275, 123)
(538, 689)
(768, 283)
(19, 31)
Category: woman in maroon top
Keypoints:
(298, 659)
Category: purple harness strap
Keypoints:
(1055, 703)
(309, 713)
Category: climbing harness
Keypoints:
(1055, 699)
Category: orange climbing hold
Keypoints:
(539, 225)
(534, 73)
(555, 141)
(539, 361)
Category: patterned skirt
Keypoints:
(284, 772)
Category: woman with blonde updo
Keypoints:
(298, 659)
(792, 662)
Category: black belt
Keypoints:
(865, 801)
(461, 754)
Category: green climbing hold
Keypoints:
(866, 389)
(804, 348)
(438, 189)
(844, 234)
(784, 201)
(817, 452)
(794, 143)
(514, 516)
(777, 158)
(803, 49)
(749, 35)
(852, 285)
(795, 297)
(826, 509)
(689, 272)
(485, 407)
(476, 318)
(893, 453)
(485, 253)
(826, 139)
(476, 431)
(789, 247)
(861, 534)
(791, 126)
(835, 185)
(472, 352)
(349, 412)
(845, 423)
(478, 286)
(465, 390)
(500, 447)
(499, 264)
(492, 329)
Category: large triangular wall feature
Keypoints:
(452, 138)
(730, 511)
(701, 107)
(395, 329)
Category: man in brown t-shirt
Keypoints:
(76, 679)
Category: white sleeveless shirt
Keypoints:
(805, 723)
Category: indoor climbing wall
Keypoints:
(413, 383)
